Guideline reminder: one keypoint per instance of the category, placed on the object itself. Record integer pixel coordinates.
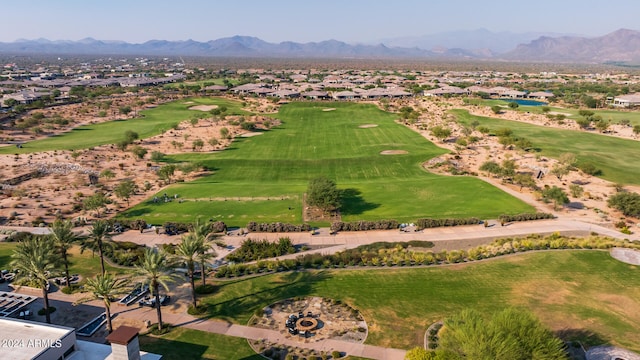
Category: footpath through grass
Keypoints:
(149, 123)
(618, 159)
(585, 294)
(263, 178)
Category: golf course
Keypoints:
(374, 160)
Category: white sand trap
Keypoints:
(328, 109)
(204, 107)
(251, 134)
(628, 256)
(366, 126)
(393, 152)
(559, 113)
(188, 103)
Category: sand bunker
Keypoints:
(393, 152)
(188, 102)
(204, 107)
(250, 134)
(366, 126)
(628, 256)
(328, 109)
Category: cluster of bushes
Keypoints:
(128, 224)
(526, 217)
(402, 255)
(277, 227)
(432, 223)
(251, 250)
(124, 253)
(364, 225)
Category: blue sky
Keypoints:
(353, 21)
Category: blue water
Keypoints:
(525, 102)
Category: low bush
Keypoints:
(251, 250)
(51, 309)
(432, 223)
(525, 217)
(277, 227)
(364, 225)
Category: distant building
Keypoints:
(630, 100)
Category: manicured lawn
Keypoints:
(618, 159)
(85, 264)
(613, 115)
(263, 178)
(586, 294)
(152, 122)
(182, 344)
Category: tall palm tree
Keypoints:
(203, 230)
(104, 287)
(156, 270)
(206, 254)
(98, 236)
(36, 260)
(63, 237)
(187, 251)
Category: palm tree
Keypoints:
(155, 270)
(63, 237)
(105, 287)
(98, 236)
(187, 251)
(207, 253)
(203, 230)
(35, 260)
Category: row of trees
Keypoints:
(37, 259)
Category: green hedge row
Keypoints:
(364, 225)
(277, 227)
(526, 217)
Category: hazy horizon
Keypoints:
(354, 21)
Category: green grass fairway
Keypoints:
(263, 178)
(152, 122)
(588, 294)
(619, 159)
(613, 115)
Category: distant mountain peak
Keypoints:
(619, 45)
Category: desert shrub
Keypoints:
(261, 249)
(364, 225)
(627, 202)
(589, 169)
(431, 223)
(525, 217)
(277, 227)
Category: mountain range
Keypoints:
(619, 46)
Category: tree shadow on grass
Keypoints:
(584, 336)
(172, 349)
(354, 204)
(281, 287)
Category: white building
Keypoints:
(28, 340)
